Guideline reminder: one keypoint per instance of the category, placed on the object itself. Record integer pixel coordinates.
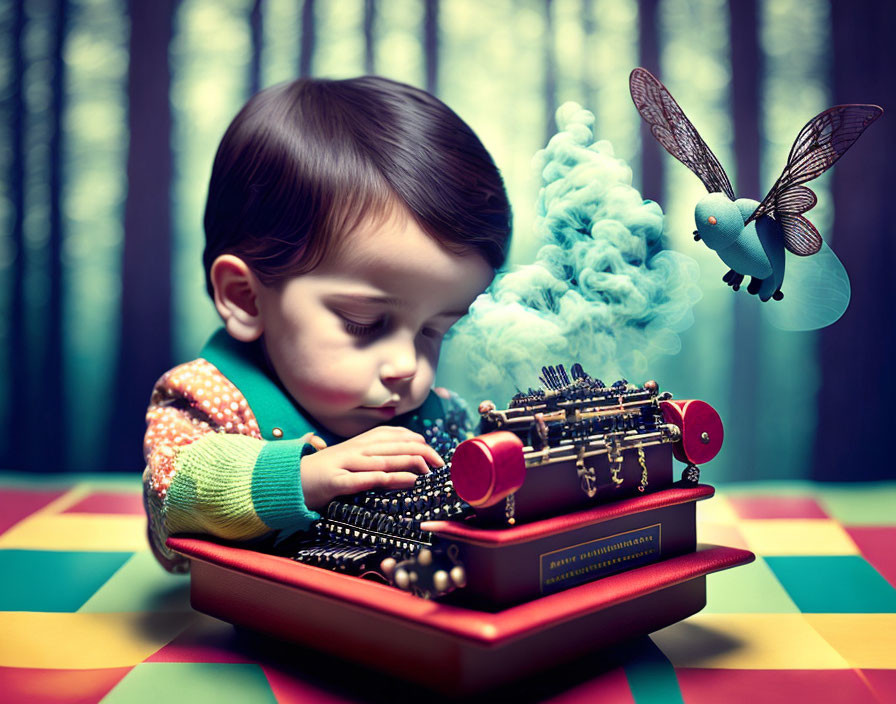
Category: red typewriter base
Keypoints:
(442, 646)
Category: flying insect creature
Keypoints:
(750, 236)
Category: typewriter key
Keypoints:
(458, 576)
(440, 581)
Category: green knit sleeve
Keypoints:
(237, 487)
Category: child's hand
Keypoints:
(387, 457)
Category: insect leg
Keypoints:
(733, 279)
(769, 286)
(772, 239)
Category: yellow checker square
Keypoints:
(867, 641)
(748, 642)
(720, 534)
(78, 532)
(790, 536)
(82, 641)
(66, 501)
(716, 510)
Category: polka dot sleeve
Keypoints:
(188, 402)
(194, 402)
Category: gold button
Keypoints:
(277, 433)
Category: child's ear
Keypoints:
(236, 297)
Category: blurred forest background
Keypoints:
(112, 110)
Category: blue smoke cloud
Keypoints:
(602, 291)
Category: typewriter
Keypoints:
(560, 527)
(572, 444)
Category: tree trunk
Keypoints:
(18, 389)
(256, 25)
(652, 170)
(306, 49)
(145, 350)
(431, 45)
(550, 79)
(745, 105)
(369, 27)
(857, 352)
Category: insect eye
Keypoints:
(712, 220)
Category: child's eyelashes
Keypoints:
(359, 329)
(369, 329)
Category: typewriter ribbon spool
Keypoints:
(701, 430)
(487, 468)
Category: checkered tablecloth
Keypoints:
(86, 614)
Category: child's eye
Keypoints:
(432, 333)
(363, 329)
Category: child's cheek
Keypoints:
(332, 380)
(331, 394)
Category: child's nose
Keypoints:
(400, 364)
(398, 370)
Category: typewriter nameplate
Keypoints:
(577, 564)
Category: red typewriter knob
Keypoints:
(488, 467)
(701, 430)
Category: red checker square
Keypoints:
(109, 502)
(16, 504)
(44, 686)
(290, 689)
(776, 507)
(883, 682)
(711, 686)
(611, 686)
(876, 544)
(206, 641)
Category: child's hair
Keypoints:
(304, 162)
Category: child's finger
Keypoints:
(389, 463)
(391, 432)
(406, 448)
(318, 443)
(388, 433)
(354, 482)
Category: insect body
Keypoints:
(751, 236)
(752, 248)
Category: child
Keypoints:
(349, 225)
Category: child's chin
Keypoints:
(350, 427)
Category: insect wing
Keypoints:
(795, 199)
(672, 129)
(818, 146)
(800, 235)
(816, 293)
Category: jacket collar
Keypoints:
(245, 365)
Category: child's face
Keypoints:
(356, 341)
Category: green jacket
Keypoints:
(235, 474)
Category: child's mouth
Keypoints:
(385, 411)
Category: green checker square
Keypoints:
(751, 588)
(45, 580)
(194, 682)
(830, 584)
(140, 585)
(651, 677)
(872, 503)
